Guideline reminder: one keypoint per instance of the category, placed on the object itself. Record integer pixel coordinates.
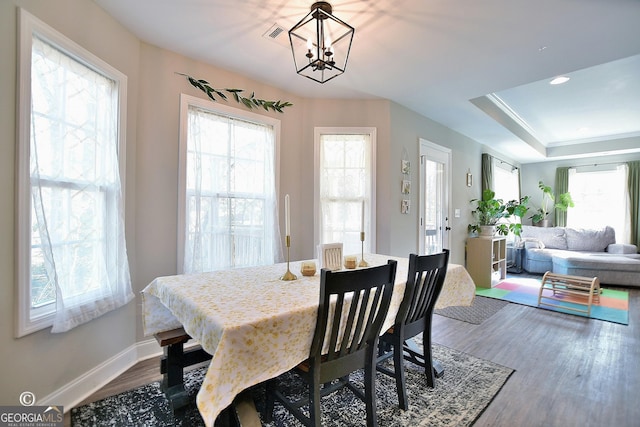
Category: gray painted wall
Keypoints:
(406, 130)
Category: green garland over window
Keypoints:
(250, 102)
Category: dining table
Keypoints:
(257, 326)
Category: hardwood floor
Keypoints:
(570, 371)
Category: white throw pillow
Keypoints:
(532, 243)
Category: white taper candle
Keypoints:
(287, 219)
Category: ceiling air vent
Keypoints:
(277, 34)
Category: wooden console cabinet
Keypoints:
(487, 260)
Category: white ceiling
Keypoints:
(480, 67)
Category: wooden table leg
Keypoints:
(172, 380)
(174, 361)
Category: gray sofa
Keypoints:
(580, 252)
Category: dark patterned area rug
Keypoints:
(459, 397)
(481, 309)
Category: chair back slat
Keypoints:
(377, 297)
(334, 332)
(353, 316)
(352, 308)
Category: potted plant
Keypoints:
(515, 208)
(489, 211)
(562, 202)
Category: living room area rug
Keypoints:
(468, 386)
(480, 310)
(613, 305)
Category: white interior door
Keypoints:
(435, 184)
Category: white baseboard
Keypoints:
(85, 385)
(148, 349)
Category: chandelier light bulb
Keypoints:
(309, 54)
(328, 51)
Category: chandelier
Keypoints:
(321, 43)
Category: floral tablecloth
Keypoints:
(255, 325)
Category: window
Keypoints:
(228, 188)
(506, 185)
(345, 178)
(601, 197)
(506, 181)
(72, 260)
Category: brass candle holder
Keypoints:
(362, 262)
(288, 275)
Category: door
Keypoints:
(435, 184)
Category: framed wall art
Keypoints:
(406, 167)
(405, 206)
(406, 186)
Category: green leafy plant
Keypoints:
(250, 102)
(489, 211)
(562, 202)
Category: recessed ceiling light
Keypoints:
(559, 80)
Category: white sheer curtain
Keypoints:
(345, 182)
(78, 241)
(231, 211)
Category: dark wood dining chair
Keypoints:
(424, 283)
(352, 308)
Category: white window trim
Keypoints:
(370, 234)
(27, 26)
(185, 102)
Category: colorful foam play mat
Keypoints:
(612, 307)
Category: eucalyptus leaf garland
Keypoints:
(251, 102)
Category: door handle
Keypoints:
(447, 228)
